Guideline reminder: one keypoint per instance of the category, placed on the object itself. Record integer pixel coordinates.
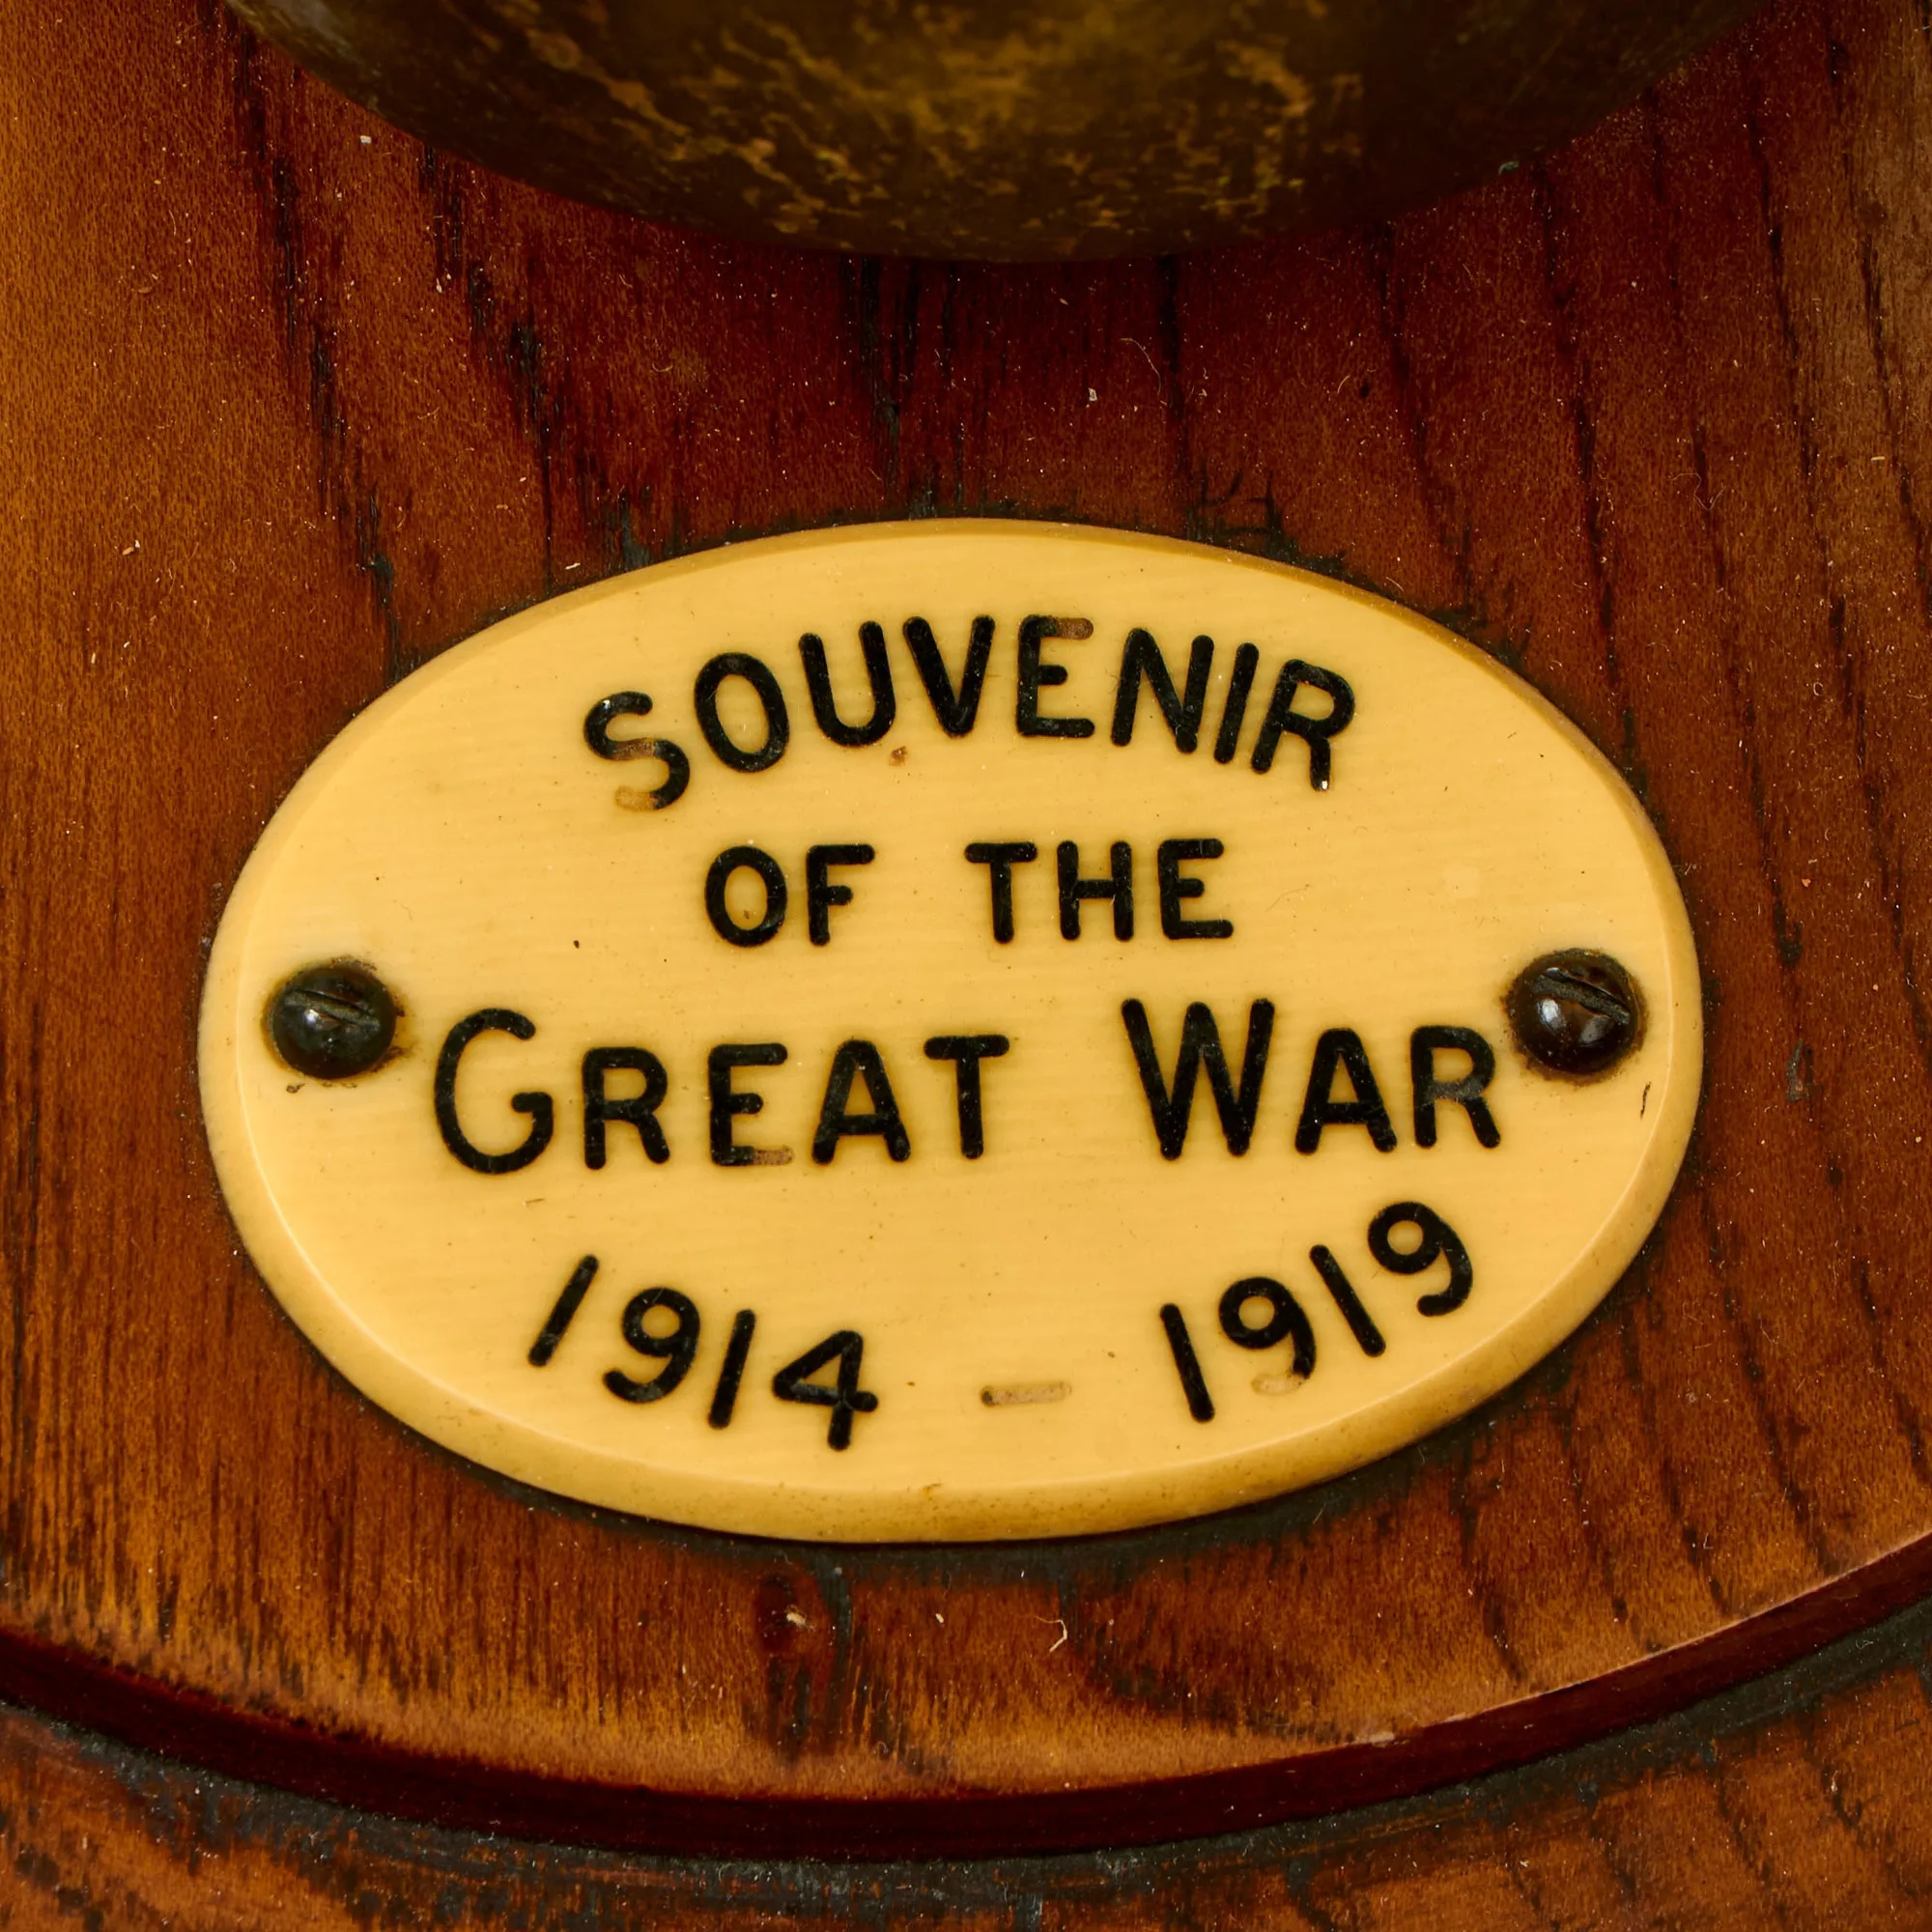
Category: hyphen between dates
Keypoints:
(1339, 1053)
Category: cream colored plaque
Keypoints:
(1022, 1051)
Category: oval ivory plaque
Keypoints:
(1021, 1050)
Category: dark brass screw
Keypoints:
(1574, 1012)
(332, 1021)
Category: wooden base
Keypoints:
(1798, 1799)
(290, 405)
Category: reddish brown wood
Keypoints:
(1797, 1802)
(290, 405)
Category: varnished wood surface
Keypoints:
(288, 404)
(1797, 1802)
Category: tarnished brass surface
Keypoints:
(991, 128)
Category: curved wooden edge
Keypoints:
(460, 1793)
(1792, 1800)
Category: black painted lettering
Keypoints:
(820, 893)
(1140, 659)
(846, 1399)
(1436, 1240)
(958, 713)
(637, 1110)
(1000, 860)
(635, 705)
(1342, 1292)
(966, 1050)
(1234, 707)
(727, 1103)
(1036, 677)
(1201, 1046)
(778, 721)
(558, 1323)
(1340, 1048)
(859, 1059)
(1117, 887)
(878, 674)
(1177, 885)
(677, 1350)
(1466, 1092)
(1286, 1317)
(724, 1397)
(1187, 1364)
(771, 874)
(1315, 732)
(538, 1106)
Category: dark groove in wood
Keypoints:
(1611, 418)
(179, 1828)
(960, 1822)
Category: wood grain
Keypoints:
(291, 403)
(1795, 1801)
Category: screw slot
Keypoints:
(1576, 1013)
(331, 1021)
